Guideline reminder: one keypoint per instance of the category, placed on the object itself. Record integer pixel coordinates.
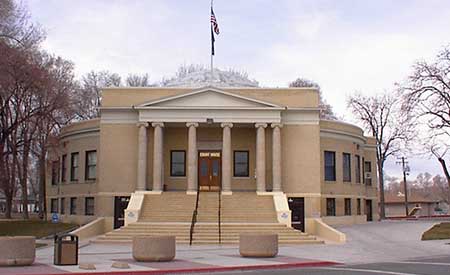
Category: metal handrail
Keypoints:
(194, 217)
(219, 218)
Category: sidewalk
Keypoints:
(366, 243)
(193, 259)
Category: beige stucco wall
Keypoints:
(342, 138)
(118, 144)
(291, 97)
(300, 160)
(78, 137)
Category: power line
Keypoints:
(406, 170)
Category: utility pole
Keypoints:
(405, 169)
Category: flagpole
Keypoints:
(212, 62)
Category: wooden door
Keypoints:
(209, 170)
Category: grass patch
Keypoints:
(35, 228)
(437, 232)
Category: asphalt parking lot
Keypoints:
(419, 266)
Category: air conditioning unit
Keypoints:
(368, 175)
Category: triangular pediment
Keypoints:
(209, 97)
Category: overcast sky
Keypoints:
(345, 46)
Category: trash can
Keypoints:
(66, 250)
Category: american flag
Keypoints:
(214, 29)
(214, 24)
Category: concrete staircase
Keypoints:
(171, 214)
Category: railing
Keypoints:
(219, 216)
(194, 217)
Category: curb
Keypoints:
(207, 269)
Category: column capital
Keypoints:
(142, 124)
(157, 124)
(193, 124)
(258, 125)
(279, 125)
(226, 124)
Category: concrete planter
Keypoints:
(17, 250)
(154, 249)
(258, 245)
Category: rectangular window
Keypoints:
(177, 163)
(348, 207)
(91, 165)
(362, 174)
(331, 207)
(346, 167)
(74, 166)
(358, 206)
(89, 206)
(368, 172)
(73, 206)
(330, 165)
(54, 172)
(63, 168)
(358, 169)
(240, 164)
(54, 205)
(62, 208)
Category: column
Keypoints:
(276, 157)
(158, 156)
(226, 157)
(192, 157)
(142, 157)
(260, 157)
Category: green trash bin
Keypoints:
(66, 250)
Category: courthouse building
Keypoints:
(263, 153)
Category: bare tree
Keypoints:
(88, 95)
(392, 129)
(16, 28)
(440, 153)
(441, 188)
(135, 80)
(326, 110)
(426, 95)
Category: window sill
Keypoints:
(241, 178)
(177, 177)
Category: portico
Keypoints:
(210, 161)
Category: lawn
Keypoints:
(437, 232)
(32, 228)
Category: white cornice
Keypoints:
(80, 133)
(327, 133)
(207, 108)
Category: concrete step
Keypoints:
(200, 242)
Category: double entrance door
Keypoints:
(209, 170)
